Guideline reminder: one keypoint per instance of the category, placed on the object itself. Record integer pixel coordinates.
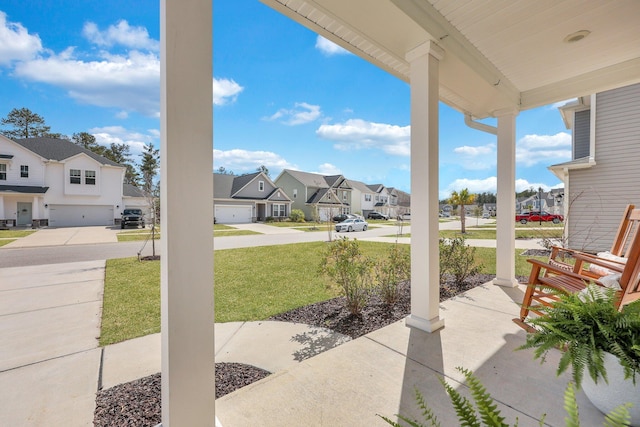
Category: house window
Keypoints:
(3, 172)
(75, 176)
(295, 193)
(24, 171)
(344, 196)
(260, 185)
(278, 210)
(367, 197)
(90, 177)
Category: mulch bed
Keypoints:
(137, 403)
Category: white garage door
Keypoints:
(233, 214)
(79, 215)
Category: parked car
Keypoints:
(342, 217)
(132, 217)
(486, 215)
(406, 216)
(352, 224)
(377, 215)
(525, 217)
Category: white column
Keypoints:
(506, 200)
(35, 208)
(186, 124)
(425, 281)
(2, 213)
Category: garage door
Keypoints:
(233, 214)
(79, 215)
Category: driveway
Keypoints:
(49, 355)
(67, 236)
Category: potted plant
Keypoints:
(597, 338)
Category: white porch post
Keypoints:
(425, 282)
(2, 213)
(506, 200)
(186, 70)
(35, 208)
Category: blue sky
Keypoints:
(283, 96)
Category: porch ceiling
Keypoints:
(499, 53)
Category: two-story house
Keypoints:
(362, 198)
(320, 197)
(47, 181)
(248, 198)
(598, 180)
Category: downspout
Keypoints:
(479, 126)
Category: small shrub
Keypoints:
(297, 215)
(392, 271)
(458, 259)
(351, 270)
(269, 219)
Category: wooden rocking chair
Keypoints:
(620, 247)
(546, 278)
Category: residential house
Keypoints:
(248, 198)
(54, 182)
(382, 200)
(605, 130)
(362, 198)
(402, 201)
(489, 208)
(320, 197)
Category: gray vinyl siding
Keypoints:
(288, 184)
(598, 195)
(252, 190)
(581, 134)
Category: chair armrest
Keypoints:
(537, 265)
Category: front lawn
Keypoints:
(251, 284)
(13, 234)
(219, 230)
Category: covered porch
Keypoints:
(484, 59)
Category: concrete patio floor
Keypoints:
(378, 373)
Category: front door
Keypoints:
(24, 213)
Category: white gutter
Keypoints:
(479, 126)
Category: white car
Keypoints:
(352, 224)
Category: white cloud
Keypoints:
(130, 83)
(357, 134)
(120, 34)
(328, 169)
(16, 44)
(242, 161)
(546, 149)
(475, 151)
(136, 141)
(225, 91)
(329, 48)
(302, 113)
(489, 185)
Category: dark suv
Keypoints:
(377, 215)
(132, 217)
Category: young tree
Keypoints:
(462, 198)
(148, 169)
(25, 123)
(263, 169)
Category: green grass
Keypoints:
(478, 233)
(251, 284)
(15, 233)
(6, 241)
(225, 233)
(287, 224)
(139, 235)
(218, 227)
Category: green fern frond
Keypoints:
(427, 412)
(465, 411)
(485, 403)
(571, 406)
(619, 417)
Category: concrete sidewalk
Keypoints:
(273, 346)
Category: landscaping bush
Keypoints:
(457, 259)
(391, 272)
(344, 263)
(297, 215)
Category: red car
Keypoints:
(539, 216)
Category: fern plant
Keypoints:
(586, 326)
(486, 412)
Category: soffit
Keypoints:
(498, 53)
